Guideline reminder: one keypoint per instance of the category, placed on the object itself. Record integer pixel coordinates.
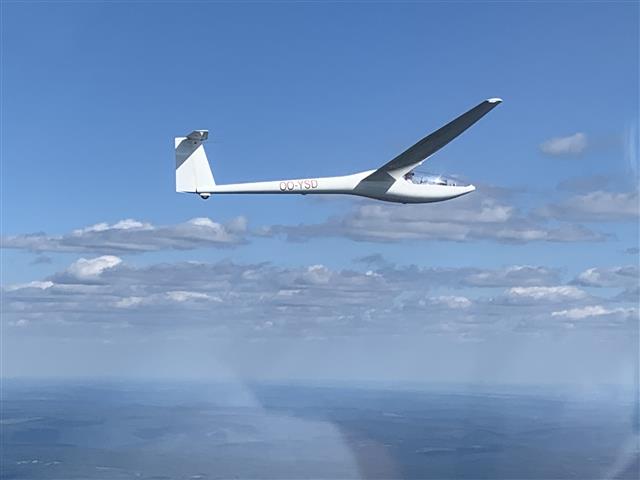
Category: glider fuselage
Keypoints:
(391, 190)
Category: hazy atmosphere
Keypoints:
(107, 271)
(529, 284)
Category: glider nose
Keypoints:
(462, 190)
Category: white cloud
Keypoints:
(87, 269)
(560, 293)
(520, 275)
(20, 323)
(450, 301)
(598, 206)
(204, 222)
(508, 276)
(572, 145)
(129, 302)
(35, 284)
(622, 277)
(316, 275)
(127, 224)
(593, 311)
(185, 296)
(289, 292)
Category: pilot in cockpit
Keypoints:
(409, 176)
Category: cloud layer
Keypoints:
(225, 299)
(486, 215)
(471, 218)
(132, 236)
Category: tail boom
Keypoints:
(302, 186)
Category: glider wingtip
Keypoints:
(494, 100)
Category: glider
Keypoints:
(395, 181)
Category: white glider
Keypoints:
(393, 182)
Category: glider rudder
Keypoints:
(193, 173)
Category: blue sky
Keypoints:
(93, 94)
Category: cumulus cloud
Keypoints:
(521, 275)
(129, 302)
(480, 217)
(20, 323)
(598, 206)
(449, 301)
(580, 313)
(613, 277)
(128, 224)
(86, 271)
(572, 145)
(132, 236)
(553, 294)
(42, 285)
(92, 268)
(186, 296)
(507, 276)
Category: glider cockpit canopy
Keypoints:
(423, 178)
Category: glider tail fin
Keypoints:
(193, 173)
